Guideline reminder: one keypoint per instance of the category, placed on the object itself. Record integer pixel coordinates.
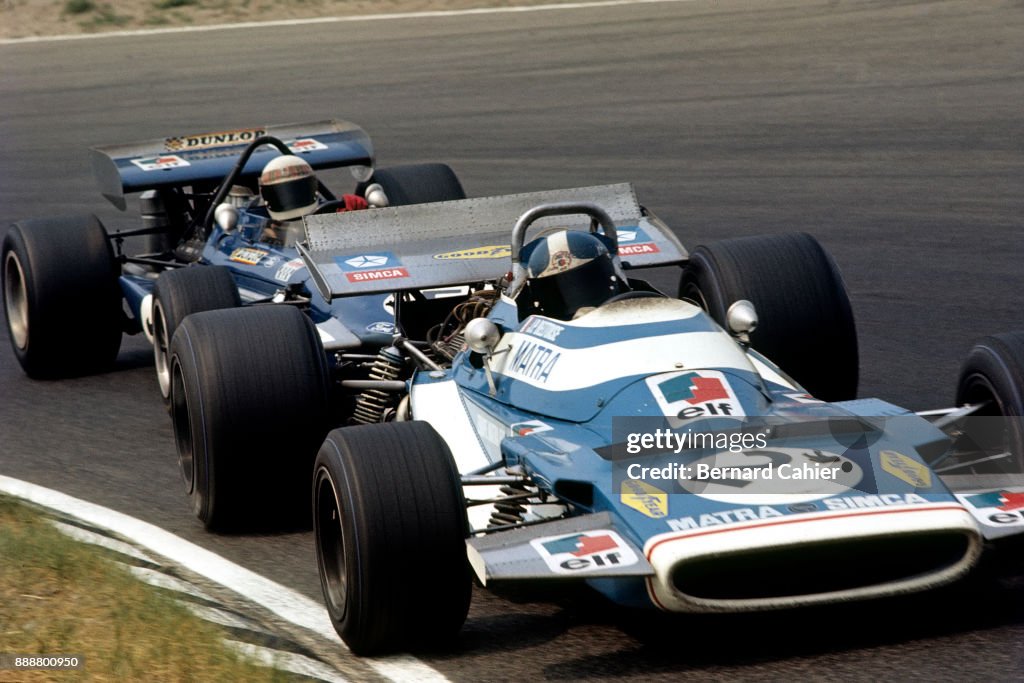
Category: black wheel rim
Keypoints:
(330, 541)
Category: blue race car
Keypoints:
(209, 200)
(221, 213)
(590, 428)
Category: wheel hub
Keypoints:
(16, 300)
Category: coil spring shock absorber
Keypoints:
(512, 510)
(372, 405)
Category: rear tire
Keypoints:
(390, 526)
(994, 373)
(249, 406)
(61, 296)
(178, 294)
(418, 184)
(806, 321)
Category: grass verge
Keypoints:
(58, 596)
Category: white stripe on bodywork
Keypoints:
(574, 369)
(768, 374)
(666, 551)
(441, 404)
(636, 312)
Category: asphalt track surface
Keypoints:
(892, 131)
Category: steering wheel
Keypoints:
(329, 207)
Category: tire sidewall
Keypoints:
(69, 301)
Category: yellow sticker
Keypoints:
(496, 251)
(907, 469)
(644, 498)
(247, 255)
(227, 138)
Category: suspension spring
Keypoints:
(373, 405)
(510, 511)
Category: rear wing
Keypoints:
(189, 159)
(463, 242)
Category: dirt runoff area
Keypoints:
(29, 18)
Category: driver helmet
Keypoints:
(288, 186)
(569, 271)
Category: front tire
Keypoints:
(806, 321)
(61, 296)
(418, 184)
(390, 527)
(993, 374)
(249, 406)
(178, 294)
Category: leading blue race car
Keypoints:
(540, 413)
(591, 428)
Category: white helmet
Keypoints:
(288, 186)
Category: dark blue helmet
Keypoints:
(569, 270)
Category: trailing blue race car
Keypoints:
(231, 200)
(221, 213)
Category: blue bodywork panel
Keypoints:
(575, 445)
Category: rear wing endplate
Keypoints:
(189, 159)
(463, 242)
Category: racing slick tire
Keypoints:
(61, 296)
(389, 521)
(993, 373)
(417, 184)
(178, 294)
(249, 408)
(806, 324)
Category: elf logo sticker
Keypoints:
(530, 427)
(689, 395)
(1005, 508)
(160, 163)
(586, 552)
(305, 145)
(1001, 500)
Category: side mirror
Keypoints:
(375, 196)
(741, 318)
(226, 216)
(481, 336)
